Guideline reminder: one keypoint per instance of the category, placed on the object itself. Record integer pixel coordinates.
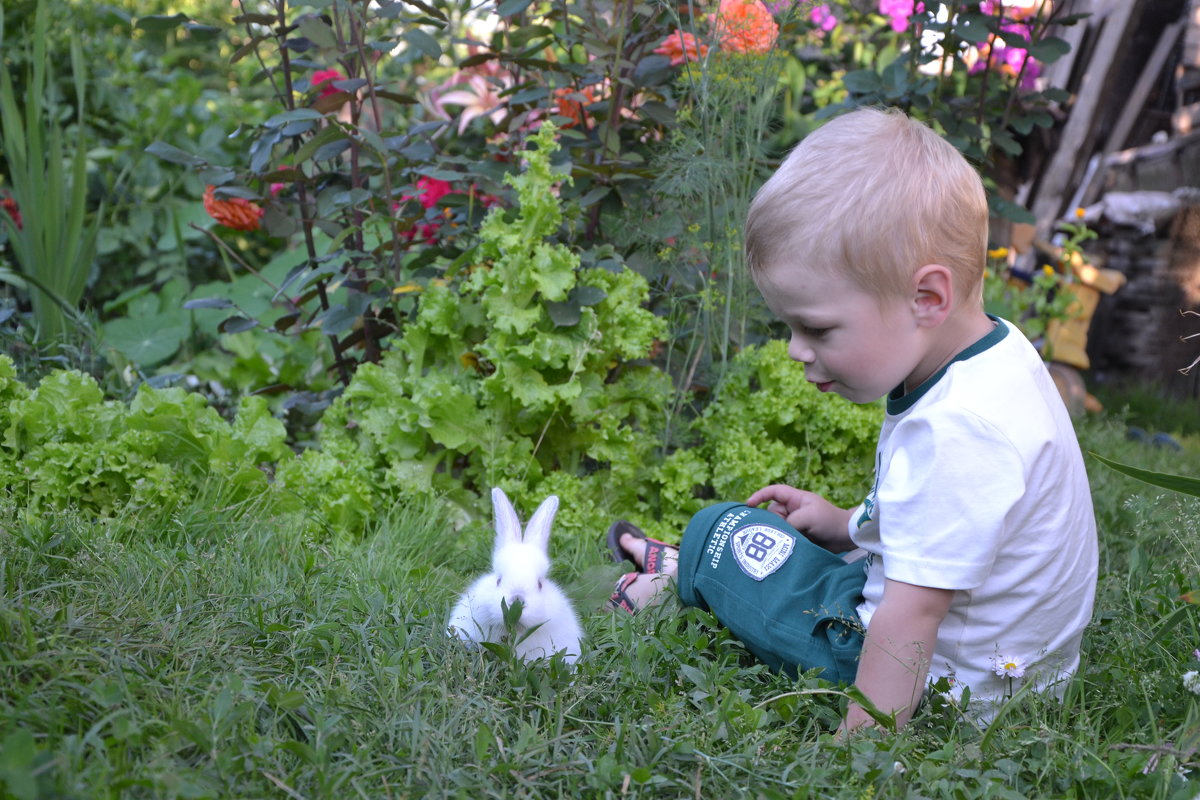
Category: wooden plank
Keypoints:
(1191, 39)
(1093, 178)
(1073, 146)
(1141, 90)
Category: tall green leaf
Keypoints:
(55, 247)
(1176, 483)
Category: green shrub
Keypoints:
(520, 368)
(63, 445)
(766, 424)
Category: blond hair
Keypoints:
(873, 195)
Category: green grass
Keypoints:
(216, 653)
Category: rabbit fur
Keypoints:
(520, 567)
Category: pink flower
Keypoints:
(822, 16)
(477, 89)
(898, 11)
(323, 79)
(1010, 61)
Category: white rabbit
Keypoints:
(520, 564)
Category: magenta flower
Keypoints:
(822, 16)
(898, 12)
(1011, 61)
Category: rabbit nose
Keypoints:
(516, 597)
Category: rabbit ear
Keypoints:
(508, 527)
(538, 530)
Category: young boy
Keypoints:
(869, 242)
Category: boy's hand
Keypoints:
(820, 520)
(897, 651)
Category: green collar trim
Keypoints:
(898, 402)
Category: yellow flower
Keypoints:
(1047, 269)
(999, 252)
(1080, 212)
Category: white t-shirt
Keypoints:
(980, 487)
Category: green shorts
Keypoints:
(791, 602)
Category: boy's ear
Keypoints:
(933, 294)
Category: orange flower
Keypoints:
(567, 104)
(744, 26)
(681, 47)
(236, 212)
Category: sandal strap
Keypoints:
(620, 597)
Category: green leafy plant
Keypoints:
(62, 444)
(54, 246)
(766, 424)
(521, 371)
(1029, 304)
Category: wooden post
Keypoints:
(1073, 148)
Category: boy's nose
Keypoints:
(798, 350)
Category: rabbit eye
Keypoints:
(539, 584)
(497, 580)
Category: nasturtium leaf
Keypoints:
(145, 340)
(564, 314)
(588, 295)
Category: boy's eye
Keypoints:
(813, 333)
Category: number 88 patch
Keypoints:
(761, 549)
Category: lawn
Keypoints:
(218, 652)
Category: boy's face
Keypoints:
(850, 342)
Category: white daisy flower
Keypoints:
(1191, 681)
(1008, 666)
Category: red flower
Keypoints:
(10, 207)
(429, 191)
(323, 79)
(236, 212)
